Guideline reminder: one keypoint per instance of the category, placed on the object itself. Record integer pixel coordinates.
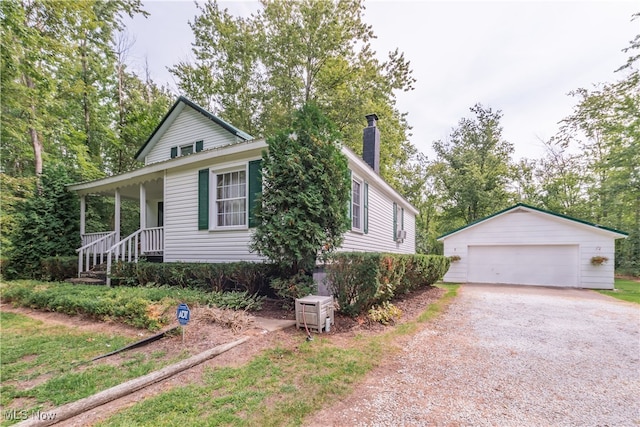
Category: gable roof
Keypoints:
(171, 115)
(533, 208)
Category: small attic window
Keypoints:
(185, 150)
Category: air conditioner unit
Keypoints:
(315, 311)
(402, 234)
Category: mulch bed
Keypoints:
(411, 304)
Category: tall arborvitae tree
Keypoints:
(47, 225)
(302, 211)
(254, 71)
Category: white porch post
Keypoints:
(143, 216)
(117, 208)
(143, 207)
(83, 210)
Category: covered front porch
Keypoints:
(102, 249)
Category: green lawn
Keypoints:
(44, 366)
(627, 290)
(281, 386)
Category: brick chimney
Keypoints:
(371, 143)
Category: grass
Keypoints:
(44, 366)
(142, 307)
(626, 290)
(281, 386)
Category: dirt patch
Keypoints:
(84, 323)
(202, 334)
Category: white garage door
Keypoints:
(549, 265)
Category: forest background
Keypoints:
(72, 110)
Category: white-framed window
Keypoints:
(399, 234)
(230, 199)
(356, 204)
(185, 150)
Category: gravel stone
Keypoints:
(510, 356)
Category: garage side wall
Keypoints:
(522, 227)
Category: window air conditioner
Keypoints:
(402, 234)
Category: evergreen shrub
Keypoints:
(249, 277)
(362, 280)
(57, 269)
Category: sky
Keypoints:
(520, 57)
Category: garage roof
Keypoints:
(532, 208)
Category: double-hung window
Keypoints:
(231, 199)
(356, 204)
(231, 203)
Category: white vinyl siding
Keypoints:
(379, 237)
(188, 127)
(183, 241)
(531, 228)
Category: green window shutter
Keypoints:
(395, 220)
(365, 209)
(199, 146)
(255, 188)
(402, 219)
(203, 199)
(174, 152)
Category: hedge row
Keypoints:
(52, 269)
(360, 280)
(234, 276)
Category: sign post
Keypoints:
(184, 315)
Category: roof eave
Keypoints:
(172, 114)
(617, 233)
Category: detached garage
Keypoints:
(523, 245)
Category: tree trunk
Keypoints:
(36, 142)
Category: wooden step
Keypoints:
(86, 281)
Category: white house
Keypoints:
(197, 190)
(524, 245)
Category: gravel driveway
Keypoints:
(509, 356)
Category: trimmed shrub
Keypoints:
(57, 269)
(290, 288)
(362, 280)
(249, 277)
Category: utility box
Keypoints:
(315, 310)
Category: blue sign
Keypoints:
(183, 314)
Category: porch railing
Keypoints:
(152, 240)
(131, 247)
(95, 248)
(92, 237)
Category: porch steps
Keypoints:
(96, 276)
(86, 281)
